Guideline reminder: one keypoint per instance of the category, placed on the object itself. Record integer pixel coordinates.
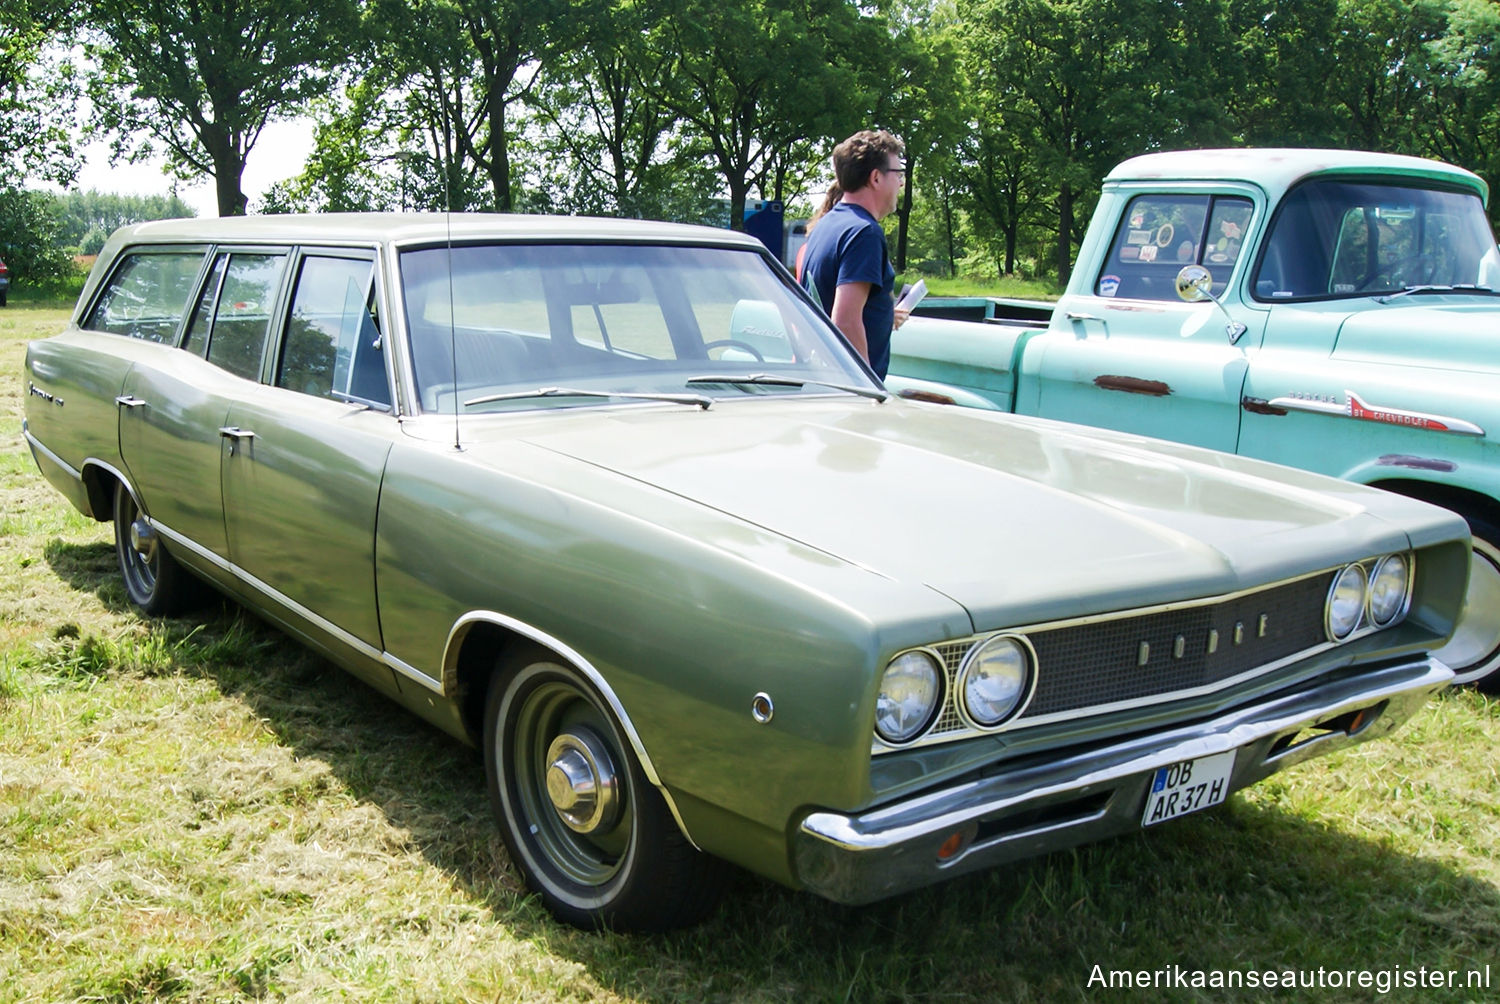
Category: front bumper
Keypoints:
(1094, 793)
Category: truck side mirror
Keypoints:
(1195, 284)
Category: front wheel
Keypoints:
(1473, 653)
(581, 822)
(153, 579)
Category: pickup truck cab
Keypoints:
(1346, 325)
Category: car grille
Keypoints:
(1102, 661)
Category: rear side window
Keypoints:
(1161, 233)
(233, 318)
(147, 296)
(333, 346)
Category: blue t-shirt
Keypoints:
(847, 245)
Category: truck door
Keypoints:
(1124, 351)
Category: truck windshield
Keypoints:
(1335, 239)
(503, 327)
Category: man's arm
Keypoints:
(848, 313)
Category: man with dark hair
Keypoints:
(847, 266)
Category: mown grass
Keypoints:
(199, 810)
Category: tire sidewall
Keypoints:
(613, 901)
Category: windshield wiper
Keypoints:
(780, 381)
(520, 395)
(1466, 287)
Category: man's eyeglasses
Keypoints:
(895, 170)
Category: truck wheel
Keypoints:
(582, 823)
(1474, 651)
(153, 579)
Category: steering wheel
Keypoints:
(734, 343)
(1420, 265)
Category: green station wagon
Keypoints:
(614, 503)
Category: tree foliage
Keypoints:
(39, 92)
(30, 237)
(199, 79)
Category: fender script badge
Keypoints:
(1358, 409)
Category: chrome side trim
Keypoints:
(1357, 409)
(36, 445)
(343, 637)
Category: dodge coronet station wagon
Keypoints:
(614, 502)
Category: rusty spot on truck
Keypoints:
(1133, 385)
(1416, 463)
(1260, 406)
(926, 395)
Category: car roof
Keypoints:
(420, 227)
(1278, 169)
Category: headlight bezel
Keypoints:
(971, 660)
(1357, 613)
(934, 711)
(1364, 620)
(1403, 604)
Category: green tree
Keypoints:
(1462, 77)
(601, 139)
(29, 237)
(95, 212)
(38, 92)
(201, 78)
(759, 80)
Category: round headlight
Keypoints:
(910, 692)
(1388, 589)
(996, 679)
(1346, 602)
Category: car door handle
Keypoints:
(236, 433)
(129, 401)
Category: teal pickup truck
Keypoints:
(1332, 310)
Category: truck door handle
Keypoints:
(235, 433)
(129, 401)
(1076, 315)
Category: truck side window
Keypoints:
(1159, 234)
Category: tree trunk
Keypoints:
(739, 191)
(1065, 233)
(229, 170)
(904, 217)
(499, 156)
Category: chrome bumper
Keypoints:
(1093, 793)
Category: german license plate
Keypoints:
(1187, 787)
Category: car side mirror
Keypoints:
(1196, 284)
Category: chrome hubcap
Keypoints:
(581, 782)
(142, 539)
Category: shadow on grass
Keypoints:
(1239, 888)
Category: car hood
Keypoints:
(1440, 331)
(1018, 520)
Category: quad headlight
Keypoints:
(1370, 594)
(1388, 589)
(910, 693)
(995, 679)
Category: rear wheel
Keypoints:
(1474, 651)
(582, 823)
(153, 579)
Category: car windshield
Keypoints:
(502, 327)
(1342, 238)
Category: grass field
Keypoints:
(199, 810)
